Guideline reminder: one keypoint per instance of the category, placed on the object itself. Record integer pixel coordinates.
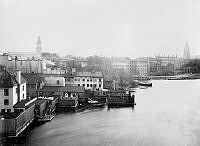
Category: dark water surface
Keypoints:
(167, 114)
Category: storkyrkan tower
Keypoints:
(186, 53)
(38, 47)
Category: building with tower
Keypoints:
(27, 62)
(38, 47)
(186, 52)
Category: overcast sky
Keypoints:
(104, 27)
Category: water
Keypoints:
(167, 114)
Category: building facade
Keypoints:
(12, 90)
(89, 80)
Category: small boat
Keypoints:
(148, 84)
(95, 103)
(46, 118)
(143, 87)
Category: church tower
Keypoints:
(38, 47)
(186, 53)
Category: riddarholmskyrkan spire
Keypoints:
(186, 52)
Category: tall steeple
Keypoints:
(38, 47)
(186, 53)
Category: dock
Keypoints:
(120, 99)
(16, 122)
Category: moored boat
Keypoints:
(148, 84)
(46, 118)
(95, 103)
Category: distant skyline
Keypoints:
(131, 28)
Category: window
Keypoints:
(99, 80)
(88, 85)
(99, 85)
(6, 102)
(83, 85)
(23, 95)
(6, 92)
(83, 80)
(58, 81)
(78, 84)
(95, 85)
(23, 88)
(16, 90)
(8, 110)
(3, 110)
(88, 80)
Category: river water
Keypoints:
(167, 114)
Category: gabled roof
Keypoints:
(88, 74)
(75, 89)
(31, 78)
(7, 80)
(23, 80)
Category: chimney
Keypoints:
(18, 77)
(73, 70)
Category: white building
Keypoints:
(12, 90)
(89, 80)
(120, 63)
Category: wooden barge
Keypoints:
(120, 98)
(13, 124)
(45, 109)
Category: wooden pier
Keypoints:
(45, 109)
(16, 122)
(117, 98)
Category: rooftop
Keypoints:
(88, 74)
(7, 80)
(31, 78)
(75, 89)
(23, 104)
(10, 115)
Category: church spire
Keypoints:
(186, 53)
(38, 47)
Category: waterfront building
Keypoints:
(170, 64)
(16, 110)
(12, 90)
(34, 83)
(142, 66)
(120, 63)
(89, 80)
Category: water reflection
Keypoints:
(166, 114)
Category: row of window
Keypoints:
(88, 80)
(89, 85)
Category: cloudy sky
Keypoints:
(104, 27)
